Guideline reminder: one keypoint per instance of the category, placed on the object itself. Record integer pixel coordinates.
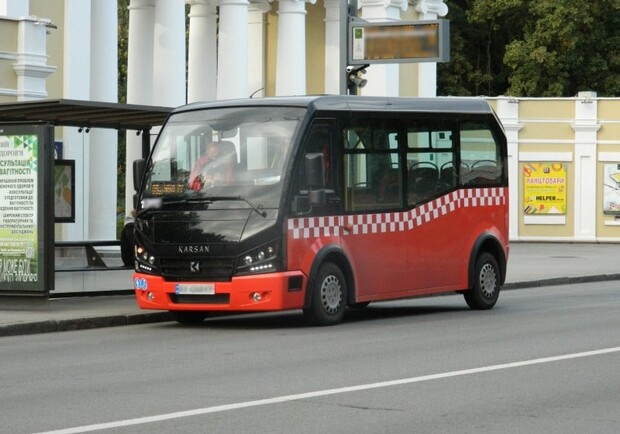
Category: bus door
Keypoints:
(374, 222)
(434, 241)
(314, 223)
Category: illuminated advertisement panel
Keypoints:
(26, 237)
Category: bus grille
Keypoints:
(200, 299)
(212, 269)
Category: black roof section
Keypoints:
(85, 114)
(361, 103)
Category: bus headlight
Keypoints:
(145, 262)
(260, 260)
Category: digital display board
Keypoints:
(399, 42)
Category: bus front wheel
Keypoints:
(328, 296)
(485, 291)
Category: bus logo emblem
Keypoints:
(194, 267)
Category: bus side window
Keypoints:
(480, 154)
(372, 170)
(431, 159)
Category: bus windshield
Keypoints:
(223, 153)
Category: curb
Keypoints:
(554, 281)
(74, 324)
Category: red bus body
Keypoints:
(401, 251)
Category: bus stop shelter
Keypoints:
(27, 216)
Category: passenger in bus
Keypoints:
(215, 167)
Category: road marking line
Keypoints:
(320, 393)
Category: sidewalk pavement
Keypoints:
(529, 265)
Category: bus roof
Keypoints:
(356, 103)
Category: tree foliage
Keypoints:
(532, 48)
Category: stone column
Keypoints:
(139, 80)
(382, 78)
(103, 142)
(76, 85)
(427, 71)
(508, 112)
(256, 47)
(291, 49)
(232, 60)
(202, 56)
(169, 53)
(586, 127)
(333, 46)
(14, 8)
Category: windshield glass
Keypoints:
(232, 152)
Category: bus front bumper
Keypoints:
(263, 292)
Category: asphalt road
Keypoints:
(544, 360)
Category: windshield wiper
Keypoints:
(206, 199)
(258, 209)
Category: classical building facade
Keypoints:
(182, 51)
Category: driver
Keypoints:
(200, 172)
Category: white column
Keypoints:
(333, 45)
(427, 71)
(202, 51)
(31, 64)
(291, 49)
(103, 142)
(382, 79)
(76, 85)
(169, 53)
(256, 47)
(14, 8)
(139, 80)
(508, 112)
(232, 61)
(586, 127)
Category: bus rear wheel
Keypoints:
(485, 291)
(188, 317)
(329, 291)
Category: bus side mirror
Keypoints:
(139, 167)
(315, 171)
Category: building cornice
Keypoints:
(402, 4)
(437, 7)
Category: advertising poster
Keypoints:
(64, 187)
(611, 189)
(21, 226)
(544, 188)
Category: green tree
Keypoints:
(568, 46)
(480, 30)
(123, 34)
(532, 48)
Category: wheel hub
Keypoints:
(331, 294)
(488, 281)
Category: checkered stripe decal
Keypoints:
(315, 227)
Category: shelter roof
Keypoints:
(85, 114)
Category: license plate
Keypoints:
(195, 289)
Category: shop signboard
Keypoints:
(26, 229)
(544, 188)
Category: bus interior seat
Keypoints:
(423, 182)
